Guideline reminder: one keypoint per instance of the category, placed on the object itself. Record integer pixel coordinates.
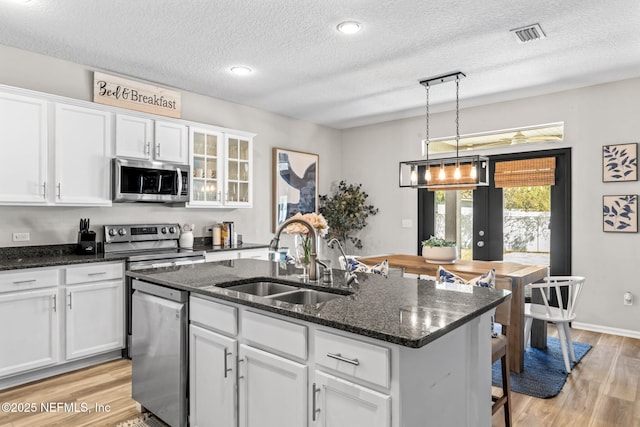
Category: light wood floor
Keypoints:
(602, 391)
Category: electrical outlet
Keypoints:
(627, 298)
(21, 237)
(407, 223)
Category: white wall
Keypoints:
(56, 225)
(593, 116)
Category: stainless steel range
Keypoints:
(146, 246)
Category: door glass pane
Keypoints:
(212, 145)
(454, 219)
(212, 191)
(198, 143)
(244, 150)
(527, 216)
(244, 193)
(233, 148)
(232, 193)
(244, 171)
(198, 190)
(233, 170)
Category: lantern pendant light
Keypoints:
(453, 173)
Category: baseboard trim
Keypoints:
(606, 330)
(62, 368)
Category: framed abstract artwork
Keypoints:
(620, 213)
(295, 184)
(620, 162)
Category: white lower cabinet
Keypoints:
(56, 319)
(212, 379)
(340, 403)
(94, 318)
(272, 390)
(29, 332)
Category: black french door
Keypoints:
(488, 241)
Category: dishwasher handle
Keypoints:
(160, 291)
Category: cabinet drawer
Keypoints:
(213, 315)
(23, 280)
(275, 334)
(96, 272)
(355, 358)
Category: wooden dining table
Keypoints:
(519, 276)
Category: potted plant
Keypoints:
(346, 211)
(439, 251)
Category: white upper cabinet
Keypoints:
(23, 143)
(172, 143)
(134, 136)
(239, 171)
(221, 168)
(146, 139)
(207, 148)
(82, 146)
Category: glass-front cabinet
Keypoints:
(238, 177)
(221, 168)
(206, 167)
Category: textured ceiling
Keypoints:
(305, 69)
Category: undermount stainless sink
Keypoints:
(262, 289)
(286, 293)
(306, 297)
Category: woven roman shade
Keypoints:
(525, 173)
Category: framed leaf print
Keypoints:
(620, 162)
(620, 213)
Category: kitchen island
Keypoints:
(519, 275)
(386, 352)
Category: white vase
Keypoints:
(440, 255)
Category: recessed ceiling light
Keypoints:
(349, 27)
(241, 70)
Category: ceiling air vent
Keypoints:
(528, 33)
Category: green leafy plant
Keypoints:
(435, 242)
(346, 211)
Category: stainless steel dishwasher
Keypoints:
(159, 351)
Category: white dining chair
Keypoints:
(560, 315)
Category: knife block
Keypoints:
(86, 242)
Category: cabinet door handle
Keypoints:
(59, 190)
(158, 150)
(226, 366)
(44, 189)
(97, 273)
(341, 358)
(55, 303)
(21, 282)
(69, 300)
(314, 410)
(239, 362)
(147, 149)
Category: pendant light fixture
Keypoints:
(454, 173)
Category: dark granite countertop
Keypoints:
(14, 258)
(408, 312)
(19, 257)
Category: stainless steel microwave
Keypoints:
(149, 181)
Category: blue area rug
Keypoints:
(543, 375)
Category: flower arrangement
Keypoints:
(436, 250)
(316, 220)
(304, 246)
